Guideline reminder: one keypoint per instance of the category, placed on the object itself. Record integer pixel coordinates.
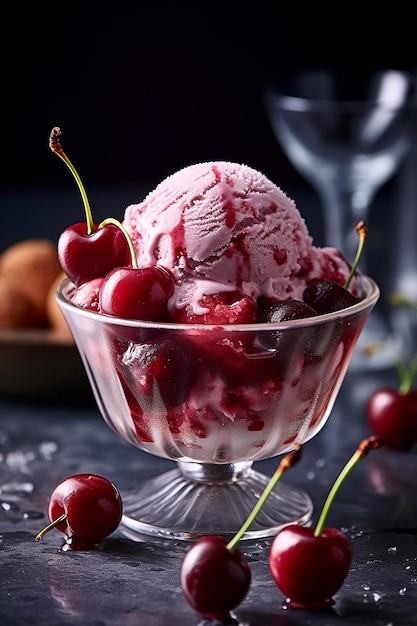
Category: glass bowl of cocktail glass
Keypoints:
(215, 400)
(347, 133)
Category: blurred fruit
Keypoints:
(54, 314)
(31, 266)
(16, 309)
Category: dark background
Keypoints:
(142, 89)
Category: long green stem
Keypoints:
(115, 222)
(413, 369)
(406, 374)
(363, 449)
(362, 230)
(55, 146)
(397, 299)
(288, 461)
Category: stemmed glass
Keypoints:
(215, 399)
(347, 136)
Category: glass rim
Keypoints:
(296, 104)
(283, 92)
(372, 293)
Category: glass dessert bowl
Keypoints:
(215, 399)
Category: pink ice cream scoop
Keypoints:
(222, 226)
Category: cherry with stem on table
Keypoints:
(309, 565)
(391, 413)
(215, 577)
(86, 508)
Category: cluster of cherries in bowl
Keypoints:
(169, 372)
(101, 262)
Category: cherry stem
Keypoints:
(413, 369)
(115, 222)
(55, 146)
(288, 461)
(50, 526)
(406, 374)
(366, 445)
(397, 299)
(362, 230)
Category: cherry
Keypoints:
(140, 293)
(270, 310)
(159, 368)
(326, 296)
(86, 508)
(393, 416)
(309, 569)
(392, 412)
(214, 576)
(310, 565)
(87, 250)
(273, 311)
(214, 579)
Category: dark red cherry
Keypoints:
(214, 579)
(309, 565)
(161, 369)
(86, 508)
(309, 570)
(137, 293)
(392, 415)
(326, 296)
(214, 576)
(84, 256)
(270, 310)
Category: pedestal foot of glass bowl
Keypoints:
(200, 499)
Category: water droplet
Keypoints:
(392, 550)
(47, 449)
(32, 515)
(377, 596)
(402, 591)
(9, 506)
(320, 462)
(353, 532)
(311, 475)
(366, 586)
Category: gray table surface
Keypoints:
(129, 582)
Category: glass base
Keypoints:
(196, 499)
